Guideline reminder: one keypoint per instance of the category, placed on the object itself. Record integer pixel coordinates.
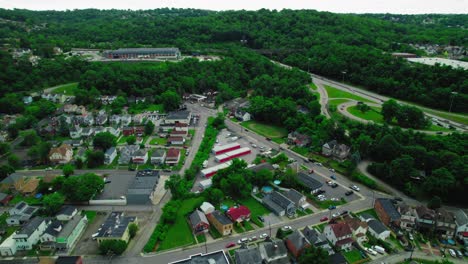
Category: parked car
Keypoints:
(333, 177)
(334, 185)
(344, 212)
(459, 254)
(287, 227)
(452, 253)
(348, 193)
(254, 238)
(335, 215)
(323, 219)
(261, 218)
(242, 240)
(354, 187)
(230, 245)
(264, 235)
(318, 163)
(332, 170)
(331, 207)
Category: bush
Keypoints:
(114, 246)
(132, 230)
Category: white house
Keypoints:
(158, 156)
(340, 235)
(61, 155)
(461, 219)
(110, 155)
(242, 115)
(66, 213)
(377, 229)
(207, 208)
(358, 227)
(140, 157)
(75, 132)
(8, 247)
(29, 234)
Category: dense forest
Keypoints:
(323, 42)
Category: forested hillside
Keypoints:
(325, 43)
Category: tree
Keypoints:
(363, 107)
(64, 129)
(68, 169)
(440, 182)
(131, 139)
(218, 122)
(53, 202)
(170, 211)
(149, 128)
(30, 138)
(390, 110)
(178, 186)
(387, 149)
(79, 163)
(170, 100)
(214, 195)
(4, 148)
(112, 246)
(132, 230)
(6, 170)
(95, 159)
(262, 177)
(82, 188)
(314, 255)
(104, 140)
(435, 202)
(14, 161)
(40, 151)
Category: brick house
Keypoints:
(173, 156)
(387, 212)
(297, 243)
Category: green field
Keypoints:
(180, 234)
(265, 130)
(336, 102)
(67, 89)
(139, 108)
(313, 86)
(337, 93)
(158, 141)
(352, 256)
(371, 115)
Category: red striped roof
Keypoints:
(236, 213)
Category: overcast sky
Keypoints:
(338, 6)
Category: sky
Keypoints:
(336, 6)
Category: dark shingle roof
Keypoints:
(30, 227)
(298, 240)
(275, 250)
(280, 199)
(294, 196)
(309, 181)
(54, 228)
(248, 256)
(221, 218)
(178, 115)
(262, 166)
(377, 226)
(197, 217)
(390, 209)
(115, 225)
(67, 210)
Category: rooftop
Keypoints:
(221, 218)
(237, 212)
(389, 208)
(309, 181)
(31, 226)
(70, 226)
(177, 115)
(197, 217)
(115, 225)
(143, 50)
(377, 226)
(67, 210)
(216, 257)
(248, 256)
(341, 229)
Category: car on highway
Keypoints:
(323, 219)
(452, 253)
(333, 177)
(354, 187)
(348, 193)
(331, 207)
(230, 245)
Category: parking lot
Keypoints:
(119, 182)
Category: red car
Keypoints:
(230, 245)
(323, 219)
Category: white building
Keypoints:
(8, 247)
(29, 235)
(340, 235)
(110, 155)
(377, 229)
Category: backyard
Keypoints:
(265, 130)
(66, 89)
(142, 107)
(254, 206)
(352, 256)
(158, 141)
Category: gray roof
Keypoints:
(337, 258)
(178, 115)
(70, 226)
(115, 225)
(390, 209)
(140, 152)
(21, 205)
(309, 181)
(445, 216)
(144, 182)
(197, 217)
(294, 196)
(158, 153)
(298, 240)
(248, 256)
(280, 199)
(12, 178)
(217, 257)
(274, 250)
(3, 196)
(272, 205)
(461, 217)
(30, 227)
(52, 228)
(366, 217)
(110, 150)
(316, 238)
(377, 226)
(262, 166)
(144, 50)
(330, 144)
(67, 210)
(221, 218)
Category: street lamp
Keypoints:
(451, 102)
(343, 72)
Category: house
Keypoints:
(309, 181)
(220, 222)
(340, 235)
(175, 133)
(143, 186)
(30, 186)
(317, 239)
(70, 233)
(461, 219)
(99, 129)
(13, 182)
(88, 132)
(279, 204)
(298, 139)
(298, 198)
(425, 218)
(199, 222)
(74, 142)
(181, 127)
(115, 131)
(110, 155)
(128, 131)
(158, 156)
(335, 150)
(173, 156)
(66, 213)
(140, 157)
(445, 224)
(81, 154)
(297, 243)
(408, 217)
(8, 247)
(75, 132)
(387, 212)
(337, 258)
(178, 117)
(126, 120)
(248, 255)
(137, 119)
(377, 229)
(29, 234)
(262, 166)
(115, 119)
(49, 236)
(358, 227)
(176, 140)
(69, 260)
(101, 119)
(274, 252)
(216, 257)
(21, 213)
(207, 208)
(5, 198)
(61, 155)
(242, 115)
(239, 214)
(126, 153)
(116, 227)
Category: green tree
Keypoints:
(53, 202)
(262, 177)
(131, 140)
(104, 140)
(387, 149)
(6, 170)
(390, 110)
(79, 163)
(218, 122)
(30, 138)
(64, 129)
(68, 170)
(363, 107)
(14, 161)
(170, 211)
(82, 188)
(440, 182)
(178, 186)
(170, 100)
(95, 159)
(435, 202)
(112, 246)
(4, 148)
(132, 230)
(314, 255)
(214, 195)
(149, 128)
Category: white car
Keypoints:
(335, 215)
(254, 146)
(354, 187)
(452, 253)
(332, 170)
(242, 240)
(411, 236)
(287, 227)
(264, 235)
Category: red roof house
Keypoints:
(340, 235)
(239, 214)
(173, 156)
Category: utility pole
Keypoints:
(343, 72)
(206, 247)
(451, 102)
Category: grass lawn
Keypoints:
(371, 115)
(327, 203)
(337, 93)
(158, 141)
(67, 89)
(180, 234)
(214, 232)
(191, 132)
(139, 108)
(29, 200)
(352, 256)
(335, 102)
(313, 86)
(90, 215)
(122, 140)
(255, 207)
(369, 211)
(265, 130)
(238, 228)
(247, 226)
(201, 238)
(321, 226)
(301, 150)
